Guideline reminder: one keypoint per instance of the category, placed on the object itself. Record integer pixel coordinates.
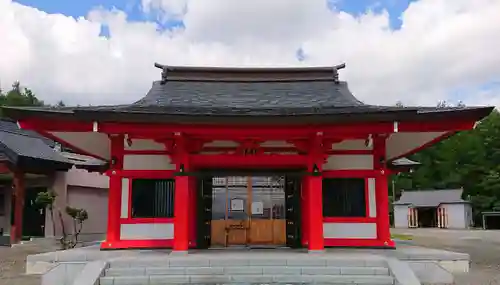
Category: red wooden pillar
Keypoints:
(382, 192)
(16, 230)
(115, 191)
(181, 198)
(315, 196)
(315, 213)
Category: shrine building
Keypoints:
(252, 157)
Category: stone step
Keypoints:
(247, 270)
(232, 262)
(232, 279)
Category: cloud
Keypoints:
(442, 45)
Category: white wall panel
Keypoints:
(351, 145)
(372, 200)
(142, 144)
(93, 143)
(147, 162)
(350, 230)
(349, 162)
(400, 143)
(401, 216)
(146, 231)
(125, 197)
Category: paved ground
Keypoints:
(482, 246)
(13, 265)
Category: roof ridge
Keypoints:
(249, 74)
(248, 68)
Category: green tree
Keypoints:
(469, 159)
(19, 96)
(22, 96)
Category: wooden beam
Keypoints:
(16, 231)
(261, 149)
(248, 161)
(254, 131)
(4, 169)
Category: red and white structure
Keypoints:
(301, 122)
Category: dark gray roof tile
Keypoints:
(28, 146)
(202, 94)
(405, 162)
(252, 96)
(12, 127)
(430, 198)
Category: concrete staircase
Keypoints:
(308, 268)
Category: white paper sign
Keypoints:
(237, 205)
(257, 208)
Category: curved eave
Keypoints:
(403, 168)
(403, 165)
(341, 115)
(93, 167)
(40, 166)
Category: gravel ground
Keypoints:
(482, 246)
(13, 265)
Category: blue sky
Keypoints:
(132, 7)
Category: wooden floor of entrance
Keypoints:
(248, 211)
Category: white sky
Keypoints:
(446, 49)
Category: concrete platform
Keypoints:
(431, 266)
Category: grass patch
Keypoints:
(402, 237)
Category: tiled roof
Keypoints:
(17, 144)
(250, 95)
(405, 162)
(430, 198)
(11, 127)
(251, 92)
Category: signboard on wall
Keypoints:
(237, 205)
(257, 208)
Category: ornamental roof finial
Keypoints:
(336, 72)
(163, 73)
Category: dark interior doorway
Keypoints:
(33, 216)
(427, 217)
(491, 221)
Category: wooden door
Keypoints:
(267, 221)
(229, 219)
(237, 222)
(248, 211)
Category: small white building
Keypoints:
(433, 208)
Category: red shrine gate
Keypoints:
(303, 124)
(305, 157)
(306, 152)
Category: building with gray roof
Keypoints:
(432, 208)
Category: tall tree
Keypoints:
(468, 159)
(19, 96)
(22, 96)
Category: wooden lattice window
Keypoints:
(344, 197)
(152, 198)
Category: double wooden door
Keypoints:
(248, 210)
